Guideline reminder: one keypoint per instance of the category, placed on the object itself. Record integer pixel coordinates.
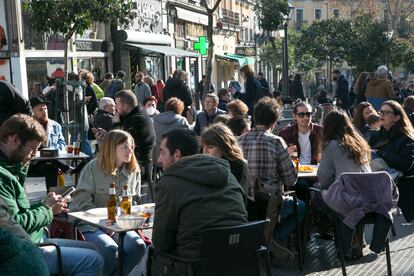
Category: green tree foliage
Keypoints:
(270, 13)
(327, 40)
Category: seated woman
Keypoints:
(344, 149)
(394, 143)
(115, 162)
(219, 141)
(364, 109)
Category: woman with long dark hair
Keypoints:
(394, 143)
(363, 110)
(344, 149)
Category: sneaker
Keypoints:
(280, 252)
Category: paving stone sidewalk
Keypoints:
(321, 256)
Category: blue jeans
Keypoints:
(287, 220)
(134, 249)
(78, 257)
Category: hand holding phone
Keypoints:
(68, 192)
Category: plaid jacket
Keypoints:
(268, 159)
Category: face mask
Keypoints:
(150, 110)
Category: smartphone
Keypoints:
(68, 192)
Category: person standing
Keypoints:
(177, 87)
(297, 88)
(379, 88)
(141, 89)
(200, 88)
(342, 89)
(116, 85)
(251, 87)
(263, 82)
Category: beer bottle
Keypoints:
(112, 202)
(60, 178)
(295, 160)
(125, 202)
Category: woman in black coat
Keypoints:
(394, 143)
(251, 88)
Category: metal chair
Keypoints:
(229, 251)
(58, 254)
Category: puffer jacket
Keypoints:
(379, 88)
(167, 121)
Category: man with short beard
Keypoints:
(20, 138)
(54, 139)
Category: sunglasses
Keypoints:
(303, 114)
(385, 112)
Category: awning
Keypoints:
(191, 16)
(240, 59)
(165, 50)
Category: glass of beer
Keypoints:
(76, 148)
(69, 149)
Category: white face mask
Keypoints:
(150, 110)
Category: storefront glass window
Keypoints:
(39, 69)
(180, 64)
(154, 67)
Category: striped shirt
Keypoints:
(268, 159)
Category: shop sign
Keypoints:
(246, 51)
(90, 45)
(194, 30)
(201, 46)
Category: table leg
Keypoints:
(121, 253)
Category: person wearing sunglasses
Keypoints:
(304, 137)
(394, 143)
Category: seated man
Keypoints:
(20, 138)
(305, 138)
(104, 117)
(271, 166)
(206, 117)
(54, 139)
(196, 192)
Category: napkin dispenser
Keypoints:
(49, 152)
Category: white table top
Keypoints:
(63, 155)
(99, 218)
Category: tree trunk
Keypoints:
(274, 67)
(210, 51)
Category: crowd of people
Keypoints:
(218, 167)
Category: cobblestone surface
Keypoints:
(321, 256)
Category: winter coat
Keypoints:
(139, 125)
(142, 91)
(12, 102)
(354, 195)
(195, 193)
(103, 120)
(177, 88)
(378, 91)
(204, 120)
(31, 218)
(167, 121)
(395, 148)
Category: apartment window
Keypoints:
(299, 19)
(318, 14)
(336, 13)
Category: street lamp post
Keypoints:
(285, 84)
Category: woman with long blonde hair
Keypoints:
(115, 163)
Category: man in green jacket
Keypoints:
(195, 193)
(20, 138)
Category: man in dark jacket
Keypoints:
(12, 101)
(176, 87)
(342, 90)
(136, 121)
(187, 198)
(104, 117)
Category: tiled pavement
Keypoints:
(321, 256)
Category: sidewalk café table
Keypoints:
(98, 217)
(63, 155)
